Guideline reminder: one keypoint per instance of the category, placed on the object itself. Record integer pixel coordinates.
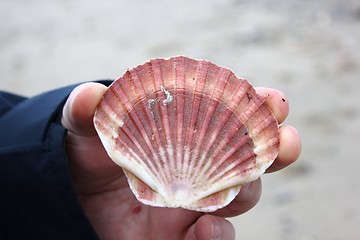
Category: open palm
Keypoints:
(111, 206)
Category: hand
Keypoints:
(111, 206)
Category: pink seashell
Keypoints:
(187, 133)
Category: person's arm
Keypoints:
(37, 198)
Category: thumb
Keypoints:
(78, 111)
(211, 227)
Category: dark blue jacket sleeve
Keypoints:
(37, 198)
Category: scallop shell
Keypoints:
(187, 133)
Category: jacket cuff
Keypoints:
(38, 199)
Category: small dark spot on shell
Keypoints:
(249, 96)
(283, 99)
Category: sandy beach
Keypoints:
(308, 49)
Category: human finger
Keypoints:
(79, 109)
(247, 198)
(211, 227)
(289, 149)
(276, 101)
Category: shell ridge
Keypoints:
(265, 145)
(106, 112)
(155, 128)
(261, 125)
(157, 120)
(211, 107)
(254, 105)
(201, 73)
(121, 94)
(271, 142)
(229, 153)
(225, 116)
(140, 155)
(138, 126)
(155, 156)
(239, 95)
(123, 161)
(217, 165)
(157, 70)
(117, 156)
(180, 76)
(230, 171)
(255, 149)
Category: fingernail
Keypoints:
(216, 230)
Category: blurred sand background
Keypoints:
(309, 49)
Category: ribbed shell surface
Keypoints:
(186, 132)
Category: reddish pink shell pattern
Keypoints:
(186, 132)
